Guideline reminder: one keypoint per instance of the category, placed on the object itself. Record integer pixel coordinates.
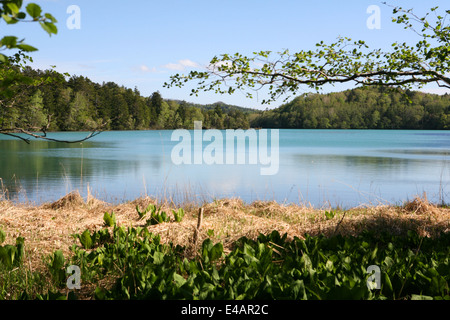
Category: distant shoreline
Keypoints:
(254, 128)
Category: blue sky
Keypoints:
(138, 43)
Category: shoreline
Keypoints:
(51, 226)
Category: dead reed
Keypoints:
(49, 227)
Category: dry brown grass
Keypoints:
(50, 226)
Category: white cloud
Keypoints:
(174, 66)
(145, 68)
(189, 63)
(181, 65)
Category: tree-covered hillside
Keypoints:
(75, 103)
(361, 108)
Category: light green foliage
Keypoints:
(80, 115)
(33, 113)
(330, 214)
(166, 115)
(109, 219)
(79, 104)
(210, 233)
(16, 280)
(86, 239)
(2, 236)
(18, 82)
(269, 267)
(178, 215)
(55, 265)
(11, 12)
(150, 208)
(157, 217)
(11, 255)
(360, 108)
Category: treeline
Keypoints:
(361, 108)
(77, 104)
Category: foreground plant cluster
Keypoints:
(132, 263)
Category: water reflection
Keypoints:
(53, 169)
(345, 168)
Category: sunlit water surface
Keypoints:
(344, 168)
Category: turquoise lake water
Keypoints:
(323, 168)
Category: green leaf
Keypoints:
(141, 214)
(387, 289)
(420, 297)
(210, 233)
(216, 252)
(4, 256)
(49, 27)
(109, 219)
(9, 41)
(100, 293)
(26, 47)
(388, 261)
(86, 239)
(13, 7)
(50, 17)
(8, 19)
(58, 260)
(150, 208)
(329, 214)
(164, 217)
(7, 254)
(207, 246)
(178, 215)
(2, 236)
(374, 253)
(298, 290)
(20, 248)
(179, 280)
(305, 262)
(158, 258)
(34, 10)
(329, 266)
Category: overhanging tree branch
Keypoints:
(341, 62)
(44, 136)
(14, 83)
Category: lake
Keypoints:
(322, 168)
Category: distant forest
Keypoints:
(76, 103)
(361, 108)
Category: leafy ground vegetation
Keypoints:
(222, 250)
